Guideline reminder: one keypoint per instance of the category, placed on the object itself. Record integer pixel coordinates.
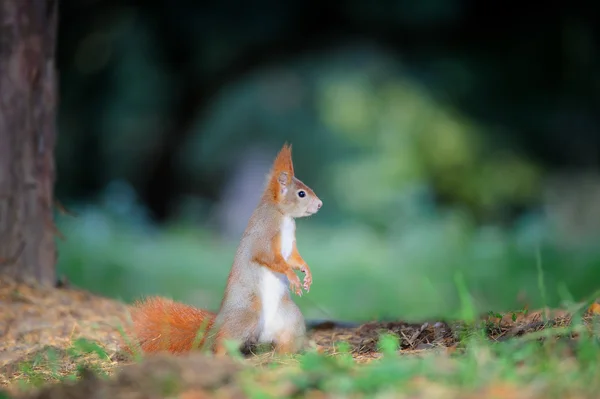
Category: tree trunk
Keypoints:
(27, 137)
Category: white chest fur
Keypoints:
(288, 228)
(273, 286)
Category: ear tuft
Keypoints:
(282, 174)
(283, 162)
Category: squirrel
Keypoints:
(257, 307)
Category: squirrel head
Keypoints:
(293, 197)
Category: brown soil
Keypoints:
(34, 319)
(159, 376)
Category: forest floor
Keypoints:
(65, 343)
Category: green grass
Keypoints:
(52, 365)
(480, 366)
(358, 274)
(555, 368)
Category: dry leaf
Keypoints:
(594, 308)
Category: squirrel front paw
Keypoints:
(307, 277)
(295, 284)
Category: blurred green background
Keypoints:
(452, 143)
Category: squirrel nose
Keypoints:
(319, 204)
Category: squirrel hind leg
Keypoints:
(288, 342)
(246, 347)
(240, 326)
(292, 338)
(285, 343)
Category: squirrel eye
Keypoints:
(301, 194)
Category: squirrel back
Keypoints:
(256, 306)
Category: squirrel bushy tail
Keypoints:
(161, 324)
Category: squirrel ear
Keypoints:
(283, 178)
(284, 181)
(282, 172)
(283, 162)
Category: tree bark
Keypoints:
(27, 137)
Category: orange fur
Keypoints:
(160, 324)
(283, 161)
(272, 259)
(298, 263)
(296, 260)
(285, 343)
(282, 164)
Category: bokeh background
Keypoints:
(454, 143)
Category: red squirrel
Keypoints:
(257, 307)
